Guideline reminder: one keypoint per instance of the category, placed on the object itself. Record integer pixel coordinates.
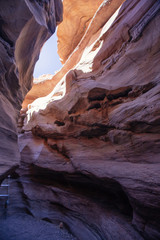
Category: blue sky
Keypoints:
(48, 61)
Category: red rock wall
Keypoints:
(90, 153)
(24, 27)
(76, 17)
(100, 125)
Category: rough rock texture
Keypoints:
(106, 9)
(94, 149)
(82, 13)
(24, 27)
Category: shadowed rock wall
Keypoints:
(24, 27)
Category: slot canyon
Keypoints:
(80, 151)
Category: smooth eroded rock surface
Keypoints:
(94, 149)
(76, 17)
(24, 27)
(90, 146)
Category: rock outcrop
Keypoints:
(24, 27)
(90, 149)
(76, 18)
(42, 86)
(99, 129)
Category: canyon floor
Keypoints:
(25, 227)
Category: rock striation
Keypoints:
(100, 126)
(24, 27)
(77, 16)
(90, 149)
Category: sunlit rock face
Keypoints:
(24, 27)
(76, 18)
(98, 132)
(41, 87)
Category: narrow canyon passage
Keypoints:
(41, 202)
(83, 152)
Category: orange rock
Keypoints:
(76, 18)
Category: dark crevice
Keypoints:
(94, 106)
(96, 94)
(38, 131)
(63, 151)
(105, 192)
(59, 123)
(136, 32)
(94, 132)
(3, 34)
(145, 127)
(121, 92)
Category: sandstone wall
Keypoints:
(90, 153)
(24, 27)
(100, 125)
(77, 15)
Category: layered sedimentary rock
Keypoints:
(90, 156)
(24, 27)
(77, 16)
(92, 145)
(82, 38)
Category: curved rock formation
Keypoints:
(77, 16)
(82, 13)
(96, 23)
(24, 27)
(37, 90)
(90, 158)
(96, 137)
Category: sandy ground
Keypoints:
(25, 227)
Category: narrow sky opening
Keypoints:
(48, 62)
